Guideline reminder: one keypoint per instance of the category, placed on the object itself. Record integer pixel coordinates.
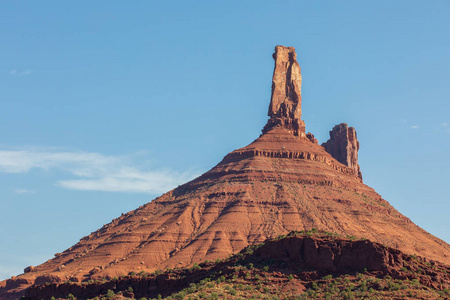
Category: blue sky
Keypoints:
(105, 105)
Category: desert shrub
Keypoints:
(180, 295)
(347, 294)
(157, 272)
(311, 293)
(110, 294)
(196, 267)
(393, 286)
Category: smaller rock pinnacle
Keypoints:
(285, 108)
(343, 145)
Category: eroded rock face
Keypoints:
(286, 101)
(343, 145)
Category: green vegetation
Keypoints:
(240, 282)
(247, 276)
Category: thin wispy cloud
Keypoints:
(25, 191)
(93, 171)
(16, 72)
(443, 127)
(406, 123)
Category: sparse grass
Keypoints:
(274, 286)
(242, 276)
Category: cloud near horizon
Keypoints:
(25, 191)
(19, 73)
(93, 171)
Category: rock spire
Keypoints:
(343, 145)
(285, 108)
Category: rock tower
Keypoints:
(285, 109)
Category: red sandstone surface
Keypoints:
(281, 182)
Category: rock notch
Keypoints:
(343, 145)
(285, 108)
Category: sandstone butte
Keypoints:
(282, 182)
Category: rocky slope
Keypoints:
(281, 182)
(285, 267)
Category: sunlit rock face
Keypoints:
(285, 108)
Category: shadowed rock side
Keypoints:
(343, 145)
(285, 108)
(310, 257)
(281, 182)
